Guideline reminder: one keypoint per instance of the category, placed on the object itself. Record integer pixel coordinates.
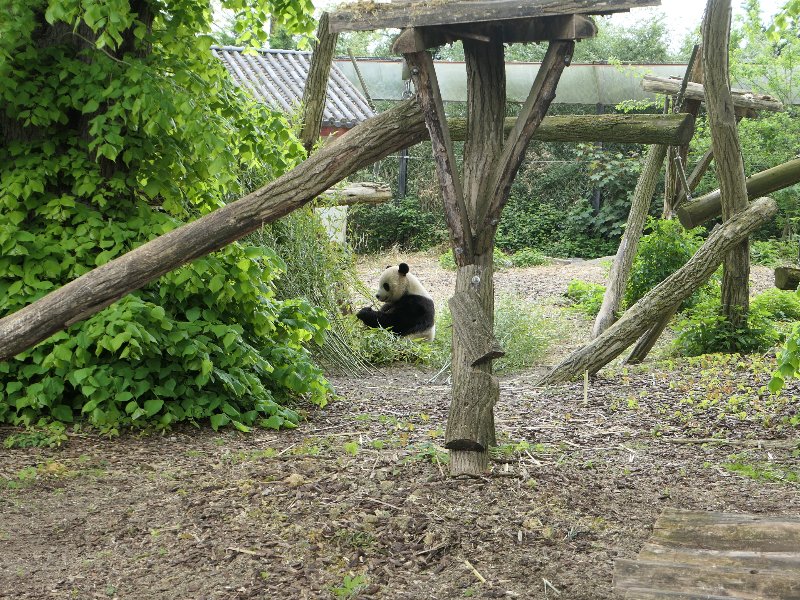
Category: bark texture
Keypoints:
(316, 88)
(727, 152)
(661, 299)
(709, 206)
(623, 261)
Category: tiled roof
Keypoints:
(277, 78)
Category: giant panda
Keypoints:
(408, 307)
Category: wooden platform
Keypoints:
(696, 555)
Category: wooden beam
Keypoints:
(544, 29)
(623, 260)
(430, 101)
(359, 193)
(316, 88)
(543, 92)
(695, 91)
(707, 207)
(658, 301)
(399, 14)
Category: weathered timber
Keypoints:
(707, 207)
(430, 101)
(674, 289)
(695, 176)
(787, 278)
(669, 130)
(695, 555)
(695, 91)
(543, 92)
(728, 154)
(562, 27)
(698, 582)
(479, 390)
(412, 13)
(363, 145)
(623, 260)
(674, 193)
(473, 328)
(360, 193)
(646, 342)
(316, 87)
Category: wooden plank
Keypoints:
(562, 27)
(726, 531)
(695, 91)
(641, 594)
(699, 582)
(363, 16)
(743, 558)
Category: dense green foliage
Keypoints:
(661, 252)
(703, 329)
(519, 326)
(586, 297)
(118, 125)
(403, 224)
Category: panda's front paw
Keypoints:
(366, 313)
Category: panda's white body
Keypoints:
(408, 308)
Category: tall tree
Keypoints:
(117, 125)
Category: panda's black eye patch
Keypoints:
(386, 286)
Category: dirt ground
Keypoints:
(355, 503)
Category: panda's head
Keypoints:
(396, 282)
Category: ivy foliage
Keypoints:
(117, 126)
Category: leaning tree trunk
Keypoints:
(88, 294)
(623, 261)
(727, 152)
(315, 92)
(661, 299)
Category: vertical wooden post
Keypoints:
(727, 153)
(490, 163)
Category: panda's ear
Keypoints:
(403, 268)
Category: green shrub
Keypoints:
(779, 305)
(703, 329)
(404, 224)
(528, 257)
(519, 326)
(773, 253)
(586, 297)
(661, 252)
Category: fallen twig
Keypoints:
(475, 571)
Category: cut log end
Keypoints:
(465, 445)
(787, 278)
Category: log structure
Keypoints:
(787, 278)
(708, 207)
(727, 153)
(474, 199)
(673, 290)
(400, 127)
(743, 99)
